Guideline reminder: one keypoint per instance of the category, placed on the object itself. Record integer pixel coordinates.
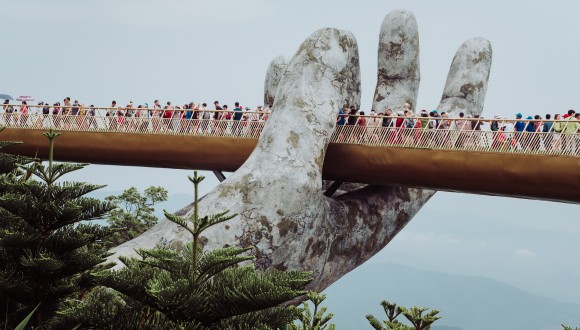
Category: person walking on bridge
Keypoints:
(569, 131)
(207, 118)
(156, 116)
(217, 114)
(167, 115)
(519, 128)
(8, 110)
(23, 114)
(111, 114)
(238, 113)
(460, 126)
(547, 132)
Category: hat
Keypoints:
(518, 115)
(565, 115)
(435, 111)
(400, 113)
(530, 117)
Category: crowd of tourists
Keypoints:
(431, 127)
(404, 126)
(187, 111)
(156, 118)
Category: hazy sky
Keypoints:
(205, 50)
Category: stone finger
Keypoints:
(274, 73)
(467, 80)
(398, 62)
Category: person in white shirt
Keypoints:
(268, 109)
(207, 116)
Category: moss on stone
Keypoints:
(285, 226)
(293, 139)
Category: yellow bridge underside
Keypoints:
(544, 177)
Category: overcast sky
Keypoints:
(206, 50)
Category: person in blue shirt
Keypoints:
(238, 112)
(532, 140)
(519, 125)
(519, 129)
(530, 125)
(341, 120)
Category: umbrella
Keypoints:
(6, 97)
(25, 98)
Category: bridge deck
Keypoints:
(475, 166)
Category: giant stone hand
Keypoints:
(277, 193)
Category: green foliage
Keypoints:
(9, 163)
(191, 288)
(133, 213)
(317, 320)
(419, 321)
(569, 328)
(48, 253)
(22, 325)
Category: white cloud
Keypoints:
(524, 253)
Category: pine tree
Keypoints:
(317, 320)
(191, 288)
(9, 163)
(48, 252)
(415, 315)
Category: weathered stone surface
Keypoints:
(468, 76)
(398, 73)
(277, 193)
(274, 73)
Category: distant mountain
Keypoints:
(465, 302)
(485, 236)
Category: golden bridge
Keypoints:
(534, 165)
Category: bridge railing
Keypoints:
(432, 133)
(550, 143)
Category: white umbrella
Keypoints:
(25, 98)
